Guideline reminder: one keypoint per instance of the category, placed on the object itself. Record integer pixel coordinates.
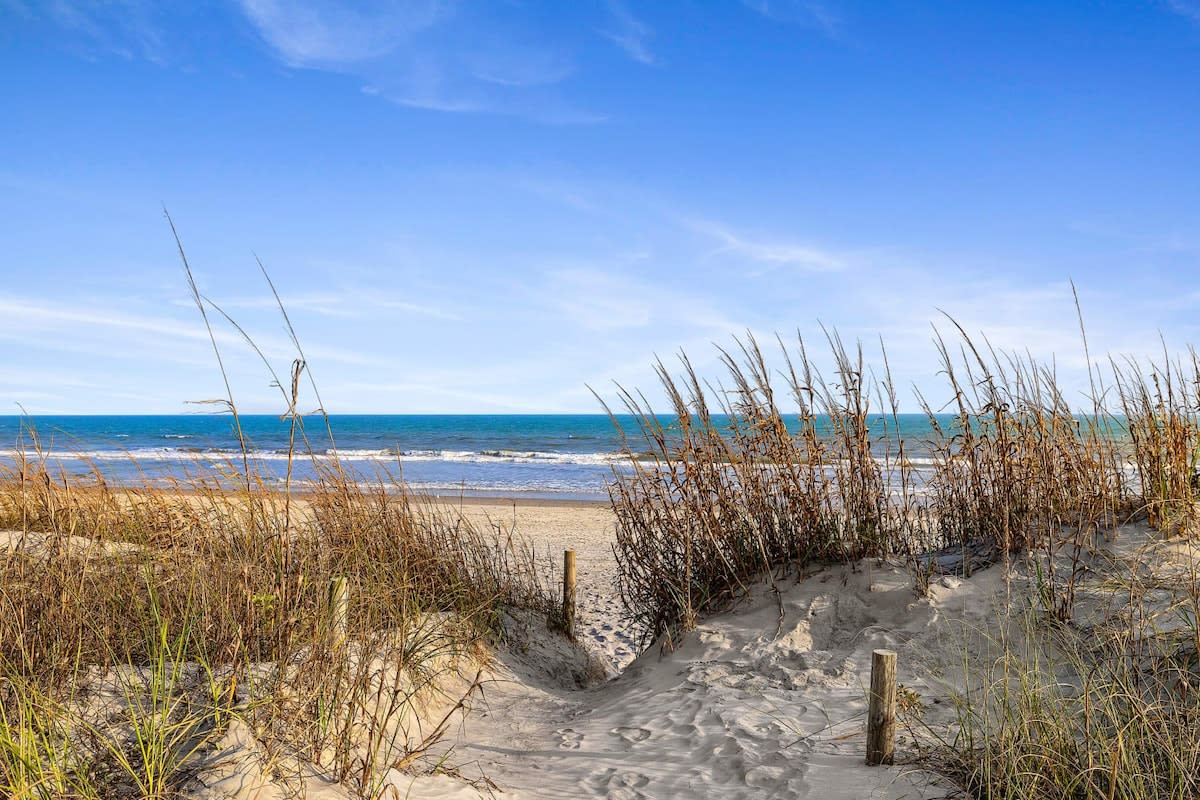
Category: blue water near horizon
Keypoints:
(568, 456)
(554, 456)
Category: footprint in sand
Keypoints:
(569, 739)
(775, 781)
(631, 735)
(616, 785)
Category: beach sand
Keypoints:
(767, 699)
(588, 528)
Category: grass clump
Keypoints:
(730, 488)
(193, 606)
(140, 625)
(713, 503)
(1162, 404)
(1090, 707)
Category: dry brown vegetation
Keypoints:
(728, 488)
(212, 589)
(139, 626)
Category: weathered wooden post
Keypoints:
(881, 716)
(339, 610)
(568, 602)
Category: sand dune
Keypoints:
(767, 700)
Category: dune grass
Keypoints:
(727, 489)
(1093, 706)
(139, 625)
(707, 506)
(201, 606)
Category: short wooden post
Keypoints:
(568, 607)
(881, 717)
(339, 610)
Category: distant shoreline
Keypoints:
(302, 494)
(528, 502)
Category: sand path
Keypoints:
(765, 701)
(589, 530)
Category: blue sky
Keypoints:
(486, 207)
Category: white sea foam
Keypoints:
(392, 456)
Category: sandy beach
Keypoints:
(553, 526)
(431, 400)
(767, 700)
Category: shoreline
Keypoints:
(447, 500)
(514, 500)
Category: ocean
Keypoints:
(567, 456)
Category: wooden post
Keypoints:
(568, 609)
(339, 610)
(881, 717)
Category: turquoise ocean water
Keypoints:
(549, 456)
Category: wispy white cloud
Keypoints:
(630, 33)
(23, 319)
(518, 64)
(348, 304)
(770, 252)
(602, 297)
(1140, 241)
(809, 13)
(18, 312)
(597, 300)
(312, 33)
(50, 391)
(563, 192)
(427, 54)
(611, 318)
(1015, 313)
(429, 100)
(128, 29)
(435, 55)
(418, 309)
(1186, 8)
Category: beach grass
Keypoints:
(708, 506)
(1092, 706)
(139, 625)
(184, 609)
(1064, 708)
